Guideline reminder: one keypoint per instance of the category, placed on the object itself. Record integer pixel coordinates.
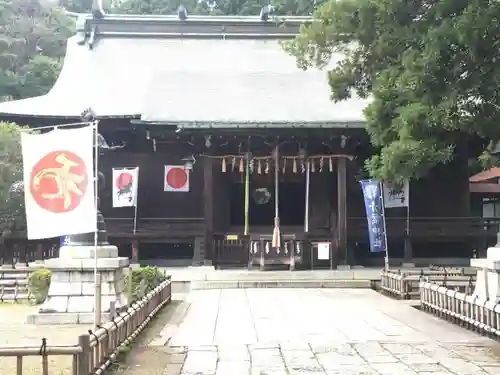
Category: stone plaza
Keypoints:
(318, 332)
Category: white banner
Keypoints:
(59, 182)
(125, 185)
(176, 178)
(396, 195)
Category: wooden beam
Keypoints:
(342, 208)
(208, 206)
(135, 251)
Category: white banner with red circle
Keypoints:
(176, 178)
(58, 182)
(125, 186)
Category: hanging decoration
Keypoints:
(262, 164)
(233, 163)
(241, 165)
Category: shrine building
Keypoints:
(218, 104)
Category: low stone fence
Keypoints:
(95, 351)
(470, 312)
(14, 284)
(405, 285)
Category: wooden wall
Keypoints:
(153, 201)
(443, 193)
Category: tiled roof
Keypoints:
(165, 78)
(486, 175)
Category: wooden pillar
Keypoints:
(39, 252)
(342, 209)
(408, 250)
(208, 206)
(135, 252)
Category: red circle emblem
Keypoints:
(123, 179)
(59, 181)
(176, 178)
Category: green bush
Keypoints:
(144, 280)
(38, 284)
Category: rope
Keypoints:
(93, 334)
(43, 348)
(114, 323)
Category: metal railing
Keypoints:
(96, 351)
(405, 285)
(471, 312)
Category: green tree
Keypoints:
(215, 7)
(11, 176)
(431, 68)
(32, 45)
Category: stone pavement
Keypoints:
(317, 332)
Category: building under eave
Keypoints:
(221, 92)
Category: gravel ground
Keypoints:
(142, 359)
(15, 332)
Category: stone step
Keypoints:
(246, 284)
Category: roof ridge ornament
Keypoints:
(182, 12)
(98, 12)
(264, 12)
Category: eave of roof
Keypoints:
(254, 125)
(486, 175)
(155, 68)
(484, 188)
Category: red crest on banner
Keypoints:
(59, 181)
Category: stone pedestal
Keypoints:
(71, 294)
(488, 275)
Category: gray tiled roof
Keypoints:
(189, 80)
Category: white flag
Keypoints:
(396, 196)
(125, 185)
(59, 182)
(176, 178)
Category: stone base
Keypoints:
(408, 265)
(343, 267)
(71, 295)
(488, 275)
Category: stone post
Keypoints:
(488, 275)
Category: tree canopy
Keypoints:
(215, 7)
(431, 68)
(32, 45)
(12, 215)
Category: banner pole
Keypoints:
(386, 260)
(247, 189)
(58, 126)
(97, 281)
(306, 209)
(136, 196)
(408, 209)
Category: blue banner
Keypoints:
(372, 194)
(64, 240)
